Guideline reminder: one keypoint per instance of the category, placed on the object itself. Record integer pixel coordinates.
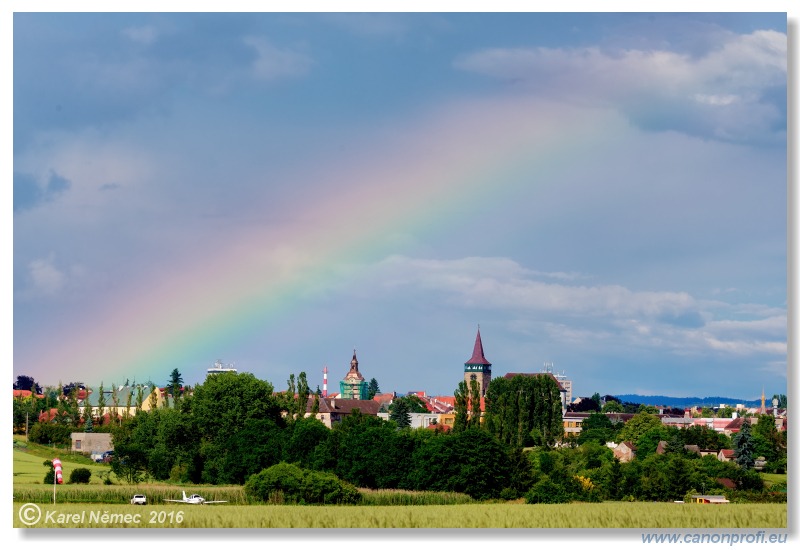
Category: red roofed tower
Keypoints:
(478, 368)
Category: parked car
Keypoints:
(97, 457)
(108, 456)
(139, 499)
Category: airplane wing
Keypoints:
(214, 501)
(169, 500)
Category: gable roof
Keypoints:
(344, 406)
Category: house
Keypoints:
(333, 410)
(625, 451)
(418, 420)
(88, 442)
(726, 455)
(121, 401)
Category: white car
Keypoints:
(139, 499)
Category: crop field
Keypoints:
(642, 515)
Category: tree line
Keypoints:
(234, 426)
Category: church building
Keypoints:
(353, 386)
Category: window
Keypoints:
(77, 444)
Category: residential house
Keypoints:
(625, 451)
(334, 409)
(726, 455)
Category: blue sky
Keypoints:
(645, 254)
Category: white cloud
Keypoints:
(275, 63)
(723, 92)
(46, 278)
(145, 35)
(601, 315)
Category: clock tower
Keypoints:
(478, 368)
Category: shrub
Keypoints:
(46, 434)
(288, 484)
(546, 492)
(80, 475)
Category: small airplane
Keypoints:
(194, 499)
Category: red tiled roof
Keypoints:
(26, 393)
(726, 482)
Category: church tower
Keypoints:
(478, 368)
(353, 386)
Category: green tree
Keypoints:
(400, 413)
(781, 400)
(743, 445)
(174, 385)
(524, 410)
(221, 407)
(475, 404)
(302, 395)
(472, 462)
(101, 403)
(637, 426)
(373, 389)
(461, 408)
(613, 406)
(302, 439)
(115, 400)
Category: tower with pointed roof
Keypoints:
(353, 386)
(477, 367)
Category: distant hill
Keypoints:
(687, 401)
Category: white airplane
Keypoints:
(194, 499)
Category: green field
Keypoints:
(85, 506)
(641, 515)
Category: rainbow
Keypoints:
(461, 158)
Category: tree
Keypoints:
(101, 403)
(637, 426)
(373, 389)
(613, 406)
(27, 383)
(472, 462)
(400, 413)
(175, 383)
(781, 400)
(461, 395)
(475, 404)
(302, 395)
(743, 445)
(524, 411)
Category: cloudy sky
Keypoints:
(605, 192)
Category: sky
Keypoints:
(605, 192)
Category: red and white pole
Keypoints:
(325, 382)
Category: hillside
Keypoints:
(663, 400)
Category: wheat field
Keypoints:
(642, 515)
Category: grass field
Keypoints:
(642, 515)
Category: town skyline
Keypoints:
(604, 192)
